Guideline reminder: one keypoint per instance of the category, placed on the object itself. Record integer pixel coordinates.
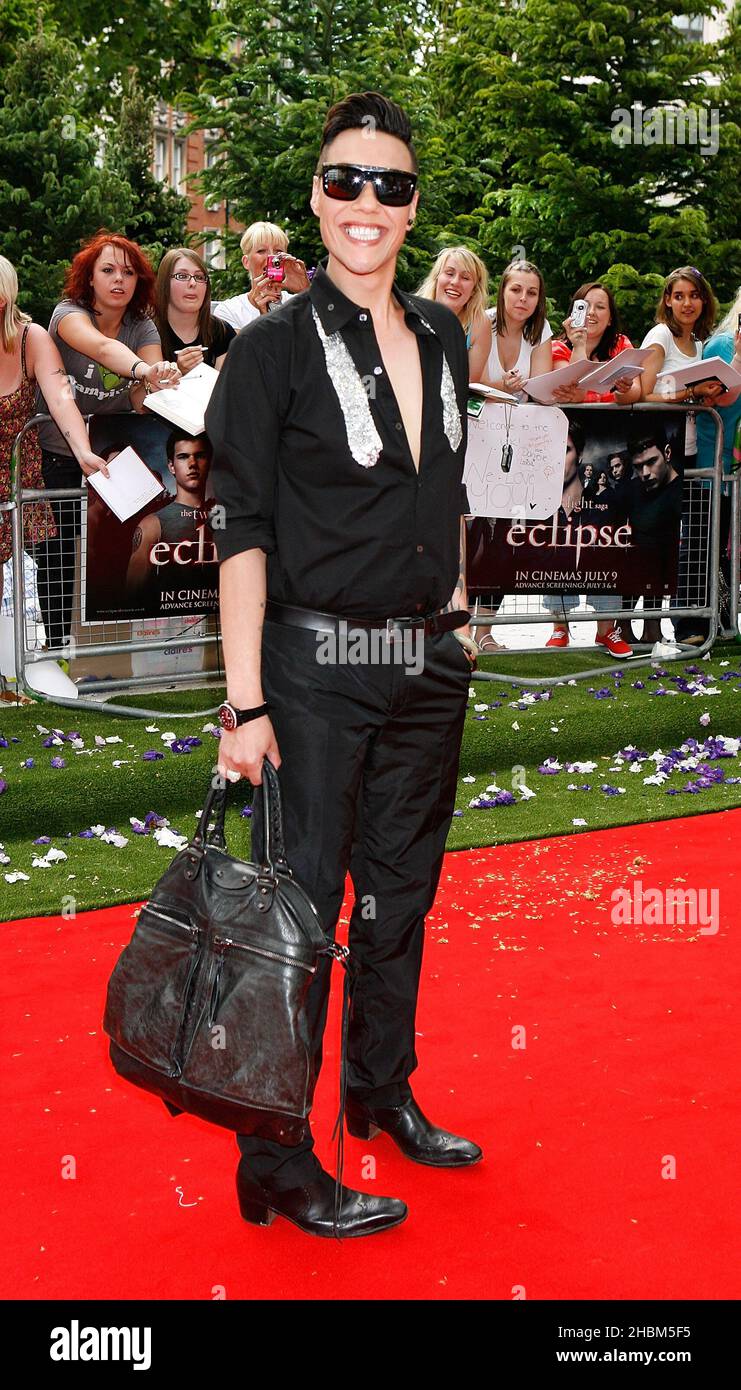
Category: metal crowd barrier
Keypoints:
(705, 487)
(116, 640)
(67, 503)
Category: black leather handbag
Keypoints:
(206, 1005)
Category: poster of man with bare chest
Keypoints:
(162, 561)
(618, 524)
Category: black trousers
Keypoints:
(55, 558)
(368, 777)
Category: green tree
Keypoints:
(162, 39)
(19, 19)
(543, 96)
(158, 214)
(286, 63)
(51, 189)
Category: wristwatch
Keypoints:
(231, 718)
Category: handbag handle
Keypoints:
(272, 805)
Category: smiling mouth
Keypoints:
(361, 233)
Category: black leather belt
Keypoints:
(393, 627)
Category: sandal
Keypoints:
(487, 644)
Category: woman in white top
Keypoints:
(684, 319)
(520, 345)
(460, 279)
(520, 348)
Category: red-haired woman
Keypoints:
(111, 353)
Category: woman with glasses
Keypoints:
(188, 330)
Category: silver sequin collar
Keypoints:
(363, 439)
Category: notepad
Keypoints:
(706, 369)
(131, 485)
(541, 387)
(185, 405)
(588, 376)
(477, 388)
(628, 363)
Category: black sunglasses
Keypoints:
(393, 187)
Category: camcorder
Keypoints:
(579, 313)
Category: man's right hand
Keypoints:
(242, 750)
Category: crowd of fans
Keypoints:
(121, 331)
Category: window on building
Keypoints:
(160, 157)
(690, 26)
(178, 166)
(210, 160)
(212, 250)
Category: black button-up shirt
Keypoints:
(341, 536)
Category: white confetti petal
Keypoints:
(168, 839)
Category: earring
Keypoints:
(410, 222)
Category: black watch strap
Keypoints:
(230, 717)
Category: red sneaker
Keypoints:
(559, 637)
(614, 644)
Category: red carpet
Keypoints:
(631, 1056)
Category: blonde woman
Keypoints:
(29, 358)
(460, 279)
(261, 241)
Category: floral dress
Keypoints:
(15, 410)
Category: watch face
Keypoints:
(227, 717)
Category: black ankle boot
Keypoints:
(412, 1132)
(312, 1206)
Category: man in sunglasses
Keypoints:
(339, 433)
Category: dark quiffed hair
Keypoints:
(175, 436)
(650, 437)
(665, 314)
(608, 341)
(367, 111)
(78, 280)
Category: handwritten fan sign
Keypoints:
(515, 461)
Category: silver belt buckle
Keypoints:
(392, 630)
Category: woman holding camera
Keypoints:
(596, 339)
(188, 331)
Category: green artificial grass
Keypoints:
(504, 746)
